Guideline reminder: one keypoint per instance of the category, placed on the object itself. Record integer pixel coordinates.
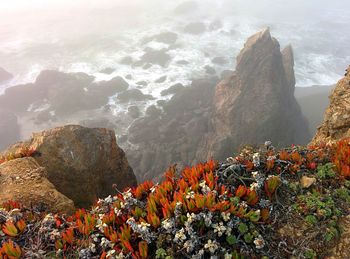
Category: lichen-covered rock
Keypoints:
(82, 163)
(336, 123)
(24, 180)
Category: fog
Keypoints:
(89, 35)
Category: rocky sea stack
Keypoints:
(203, 121)
(257, 102)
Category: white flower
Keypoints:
(109, 199)
(255, 174)
(180, 236)
(256, 159)
(92, 247)
(190, 195)
(254, 186)
(219, 228)
(259, 242)
(144, 226)
(189, 246)
(167, 224)
(212, 246)
(228, 256)
(110, 253)
(191, 217)
(153, 189)
(226, 216)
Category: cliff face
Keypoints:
(253, 105)
(336, 123)
(81, 163)
(257, 102)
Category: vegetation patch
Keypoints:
(251, 206)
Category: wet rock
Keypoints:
(159, 57)
(129, 77)
(133, 95)
(161, 80)
(209, 70)
(172, 89)
(112, 87)
(219, 60)
(138, 63)
(195, 28)
(127, 60)
(25, 181)
(147, 66)
(182, 62)
(134, 112)
(164, 37)
(153, 111)
(107, 70)
(142, 83)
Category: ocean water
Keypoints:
(88, 36)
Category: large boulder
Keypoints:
(9, 129)
(4, 75)
(82, 163)
(336, 123)
(257, 103)
(25, 181)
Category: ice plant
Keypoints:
(10, 250)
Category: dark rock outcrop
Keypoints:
(64, 93)
(173, 89)
(25, 181)
(171, 136)
(163, 37)
(159, 57)
(336, 123)
(82, 163)
(257, 103)
(4, 75)
(133, 95)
